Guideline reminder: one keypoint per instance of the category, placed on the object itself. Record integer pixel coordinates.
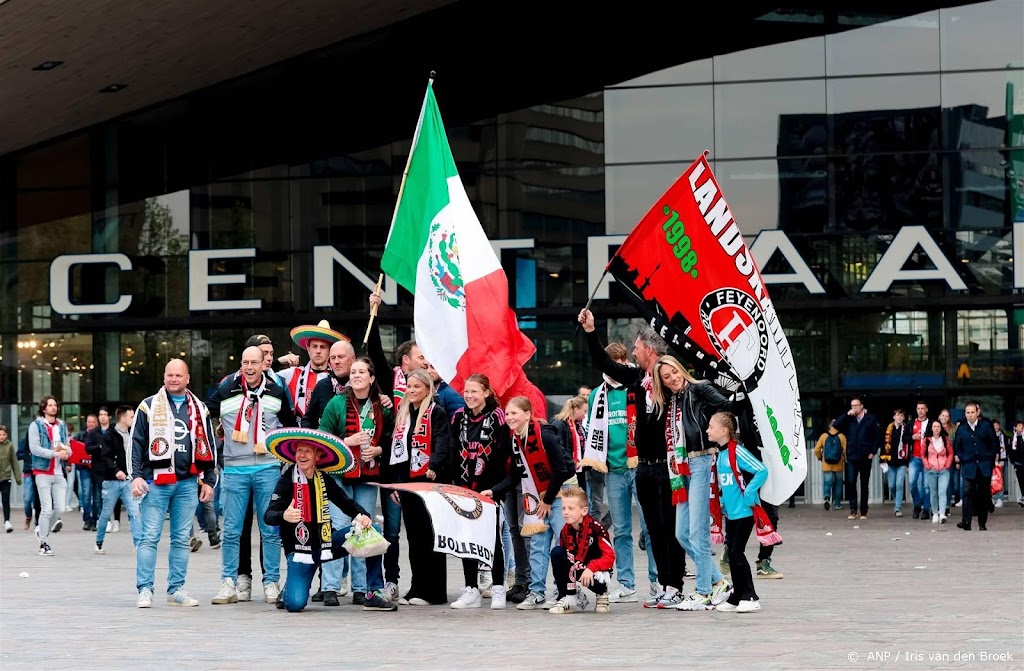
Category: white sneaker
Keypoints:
(484, 580)
(533, 601)
(116, 528)
(623, 595)
(343, 591)
(498, 597)
(748, 606)
(726, 607)
(244, 588)
(8, 527)
(470, 598)
(99, 550)
(110, 525)
(391, 592)
(57, 526)
(959, 504)
(720, 591)
(227, 593)
(999, 503)
(942, 519)
(935, 518)
(145, 599)
(656, 594)
(181, 598)
(272, 590)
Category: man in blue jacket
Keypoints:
(863, 440)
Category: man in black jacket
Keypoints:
(975, 448)
(111, 463)
(653, 488)
(863, 440)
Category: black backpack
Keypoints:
(832, 453)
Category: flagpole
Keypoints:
(594, 292)
(398, 201)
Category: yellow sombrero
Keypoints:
(322, 331)
(335, 457)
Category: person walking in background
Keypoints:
(9, 469)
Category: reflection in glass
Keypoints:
(882, 192)
(982, 35)
(875, 114)
(894, 349)
(661, 124)
(986, 349)
(696, 72)
(630, 191)
(975, 107)
(787, 60)
(987, 257)
(748, 118)
(807, 334)
(791, 194)
(907, 44)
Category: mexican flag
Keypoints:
(438, 251)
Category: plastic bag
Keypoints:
(997, 480)
(366, 542)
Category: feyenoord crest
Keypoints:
(737, 328)
(473, 514)
(302, 533)
(160, 447)
(202, 448)
(419, 460)
(530, 504)
(443, 265)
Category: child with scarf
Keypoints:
(482, 456)
(299, 507)
(739, 475)
(583, 556)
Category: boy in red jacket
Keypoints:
(583, 556)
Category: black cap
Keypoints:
(257, 340)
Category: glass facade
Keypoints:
(877, 172)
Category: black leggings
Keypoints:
(654, 492)
(429, 575)
(5, 493)
(738, 532)
(471, 567)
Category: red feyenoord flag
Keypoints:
(694, 279)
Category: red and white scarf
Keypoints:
(419, 442)
(162, 441)
(766, 534)
(400, 384)
(301, 383)
(675, 444)
(251, 413)
(359, 418)
(595, 451)
(530, 452)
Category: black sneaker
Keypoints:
(827, 505)
(331, 598)
(280, 602)
(917, 513)
(517, 594)
(318, 597)
(376, 602)
(358, 598)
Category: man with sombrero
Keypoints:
(301, 380)
(300, 508)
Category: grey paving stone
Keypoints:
(877, 587)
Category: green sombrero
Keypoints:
(301, 335)
(335, 457)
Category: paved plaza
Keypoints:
(883, 592)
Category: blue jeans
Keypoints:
(897, 477)
(621, 490)
(332, 573)
(28, 494)
(938, 481)
(114, 490)
(366, 496)
(832, 487)
(180, 500)
(392, 513)
(90, 510)
(300, 575)
(237, 488)
(919, 489)
(540, 548)
(693, 523)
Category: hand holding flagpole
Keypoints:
(401, 189)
